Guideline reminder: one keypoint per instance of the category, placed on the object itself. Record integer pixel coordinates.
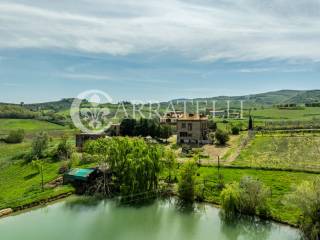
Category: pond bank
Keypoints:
(62, 196)
(84, 219)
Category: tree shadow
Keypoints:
(82, 203)
(246, 226)
(30, 176)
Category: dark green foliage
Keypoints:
(144, 127)
(165, 131)
(15, 111)
(212, 126)
(235, 130)
(15, 136)
(250, 125)
(222, 137)
(127, 127)
(186, 185)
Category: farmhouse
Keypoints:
(193, 129)
(171, 117)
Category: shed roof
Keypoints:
(80, 173)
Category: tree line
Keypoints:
(144, 127)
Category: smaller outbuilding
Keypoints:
(83, 175)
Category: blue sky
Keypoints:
(152, 50)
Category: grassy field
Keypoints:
(29, 125)
(281, 183)
(9, 152)
(299, 152)
(286, 114)
(20, 184)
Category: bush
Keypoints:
(235, 130)
(64, 149)
(307, 199)
(211, 137)
(221, 137)
(40, 144)
(249, 197)
(15, 136)
(186, 185)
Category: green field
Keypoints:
(20, 184)
(29, 125)
(306, 114)
(299, 152)
(9, 151)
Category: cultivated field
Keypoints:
(284, 152)
(308, 113)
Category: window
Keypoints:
(183, 125)
(183, 134)
(190, 126)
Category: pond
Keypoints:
(76, 218)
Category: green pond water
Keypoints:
(74, 219)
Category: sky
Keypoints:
(152, 50)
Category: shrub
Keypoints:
(230, 199)
(15, 136)
(307, 198)
(174, 146)
(64, 149)
(186, 185)
(249, 197)
(221, 137)
(211, 137)
(235, 130)
(40, 144)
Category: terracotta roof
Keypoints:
(192, 117)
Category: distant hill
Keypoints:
(269, 98)
(305, 97)
(299, 97)
(56, 106)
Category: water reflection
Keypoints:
(81, 203)
(240, 225)
(91, 218)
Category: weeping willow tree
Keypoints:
(135, 164)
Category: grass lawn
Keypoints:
(20, 184)
(10, 151)
(299, 152)
(281, 183)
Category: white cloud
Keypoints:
(224, 29)
(85, 77)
